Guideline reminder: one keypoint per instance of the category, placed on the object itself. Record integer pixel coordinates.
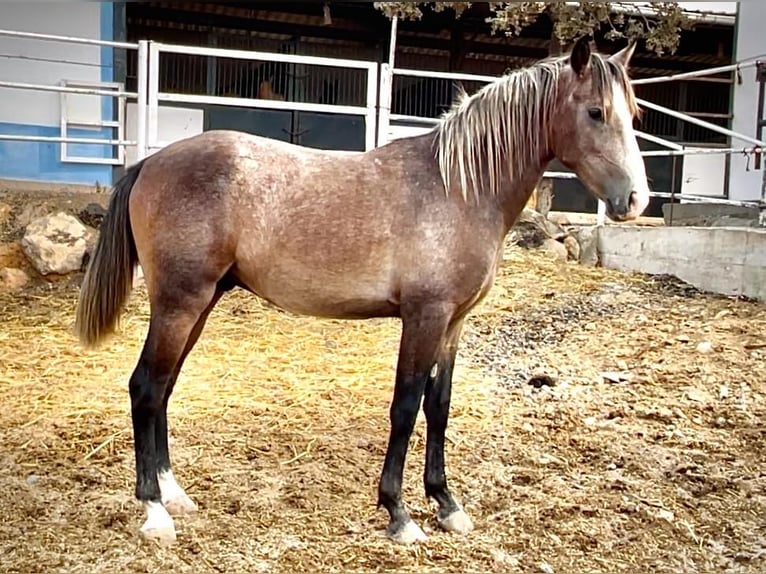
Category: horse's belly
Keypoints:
(325, 294)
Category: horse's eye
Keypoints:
(596, 114)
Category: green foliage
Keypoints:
(661, 26)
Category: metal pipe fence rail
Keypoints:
(376, 111)
(673, 149)
(368, 111)
(102, 89)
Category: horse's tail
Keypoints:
(108, 280)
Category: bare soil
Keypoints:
(601, 423)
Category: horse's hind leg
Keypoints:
(436, 407)
(174, 498)
(176, 310)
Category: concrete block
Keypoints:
(728, 261)
(704, 214)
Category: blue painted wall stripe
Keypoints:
(40, 161)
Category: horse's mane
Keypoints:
(495, 133)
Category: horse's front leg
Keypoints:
(423, 332)
(436, 407)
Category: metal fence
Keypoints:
(246, 79)
(68, 88)
(391, 116)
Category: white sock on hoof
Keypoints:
(159, 525)
(458, 522)
(410, 533)
(175, 499)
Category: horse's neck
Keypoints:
(516, 193)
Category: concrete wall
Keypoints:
(729, 261)
(751, 23)
(25, 112)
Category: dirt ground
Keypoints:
(644, 453)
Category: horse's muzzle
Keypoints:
(626, 207)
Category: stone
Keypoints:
(555, 248)
(93, 215)
(5, 213)
(13, 279)
(573, 248)
(29, 214)
(533, 228)
(587, 239)
(55, 243)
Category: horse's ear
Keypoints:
(623, 56)
(579, 59)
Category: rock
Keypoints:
(55, 243)
(587, 239)
(29, 214)
(555, 248)
(539, 381)
(13, 279)
(704, 347)
(532, 229)
(617, 377)
(559, 219)
(5, 213)
(92, 215)
(573, 248)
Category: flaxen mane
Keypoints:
(494, 133)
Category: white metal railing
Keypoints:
(376, 110)
(368, 111)
(69, 87)
(388, 73)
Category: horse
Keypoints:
(412, 230)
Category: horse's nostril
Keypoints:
(633, 200)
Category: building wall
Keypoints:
(26, 112)
(746, 184)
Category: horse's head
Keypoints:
(592, 130)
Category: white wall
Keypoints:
(751, 22)
(173, 124)
(81, 19)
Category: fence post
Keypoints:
(372, 107)
(384, 113)
(153, 96)
(601, 217)
(141, 111)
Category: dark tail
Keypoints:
(108, 280)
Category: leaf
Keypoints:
(660, 27)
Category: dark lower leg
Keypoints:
(404, 411)
(147, 389)
(436, 407)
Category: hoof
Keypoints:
(457, 522)
(163, 536)
(180, 506)
(409, 533)
(159, 525)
